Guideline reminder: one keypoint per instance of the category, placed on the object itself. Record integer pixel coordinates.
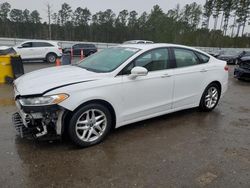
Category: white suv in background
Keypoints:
(39, 50)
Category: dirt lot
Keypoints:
(184, 149)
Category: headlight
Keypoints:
(43, 101)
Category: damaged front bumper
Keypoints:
(38, 122)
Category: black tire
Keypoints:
(90, 53)
(51, 58)
(74, 135)
(203, 106)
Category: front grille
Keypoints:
(19, 126)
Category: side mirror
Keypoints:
(19, 47)
(138, 71)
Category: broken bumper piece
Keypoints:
(45, 125)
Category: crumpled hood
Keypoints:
(40, 81)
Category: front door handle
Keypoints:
(203, 70)
(165, 76)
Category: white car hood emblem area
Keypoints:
(39, 82)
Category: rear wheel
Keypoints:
(51, 58)
(210, 97)
(90, 125)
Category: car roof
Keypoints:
(158, 45)
(137, 41)
(48, 41)
(84, 43)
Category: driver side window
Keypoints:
(153, 60)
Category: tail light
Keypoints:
(60, 49)
(226, 68)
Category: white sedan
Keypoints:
(115, 87)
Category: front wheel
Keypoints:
(210, 97)
(90, 125)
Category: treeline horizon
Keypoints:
(190, 25)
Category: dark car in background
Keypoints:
(232, 57)
(229, 56)
(242, 70)
(87, 49)
(216, 53)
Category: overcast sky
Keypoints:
(97, 5)
(101, 5)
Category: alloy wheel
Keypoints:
(91, 125)
(212, 97)
(51, 58)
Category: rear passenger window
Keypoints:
(203, 58)
(41, 44)
(90, 46)
(185, 58)
(80, 46)
(83, 46)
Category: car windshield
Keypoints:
(108, 59)
(130, 42)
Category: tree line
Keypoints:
(190, 25)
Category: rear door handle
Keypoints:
(203, 70)
(165, 76)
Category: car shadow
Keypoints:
(167, 119)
